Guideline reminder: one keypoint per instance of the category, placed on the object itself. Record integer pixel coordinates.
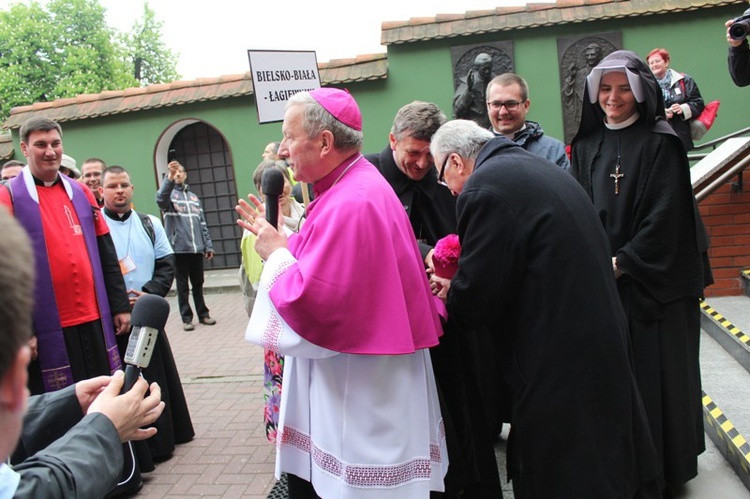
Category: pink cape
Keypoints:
(358, 286)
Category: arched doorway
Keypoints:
(204, 153)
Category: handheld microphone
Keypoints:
(272, 185)
(149, 315)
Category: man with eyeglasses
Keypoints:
(507, 104)
(535, 286)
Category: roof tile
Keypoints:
(393, 24)
(502, 11)
(476, 13)
(533, 14)
(540, 6)
(416, 21)
(362, 67)
(6, 146)
(440, 18)
(554, 16)
(341, 71)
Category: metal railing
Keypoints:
(713, 144)
(729, 156)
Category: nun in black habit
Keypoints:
(633, 167)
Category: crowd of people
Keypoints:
(572, 314)
(94, 257)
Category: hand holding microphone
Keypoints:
(272, 186)
(263, 221)
(149, 315)
(132, 411)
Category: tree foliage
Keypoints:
(67, 48)
(152, 60)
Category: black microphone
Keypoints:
(149, 315)
(272, 185)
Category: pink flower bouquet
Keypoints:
(445, 256)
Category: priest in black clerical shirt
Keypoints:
(406, 163)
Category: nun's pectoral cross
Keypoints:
(617, 176)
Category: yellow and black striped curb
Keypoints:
(724, 323)
(727, 438)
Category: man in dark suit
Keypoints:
(535, 283)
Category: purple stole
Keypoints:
(53, 355)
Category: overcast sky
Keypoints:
(212, 37)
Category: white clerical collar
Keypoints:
(623, 124)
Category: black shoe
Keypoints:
(188, 326)
(208, 321)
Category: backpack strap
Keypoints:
(148, 226)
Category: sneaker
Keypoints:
(188, 326)
(208, 321)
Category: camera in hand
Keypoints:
(741, 27)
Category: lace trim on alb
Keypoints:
(364, 476)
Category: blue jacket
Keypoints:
(532, 139)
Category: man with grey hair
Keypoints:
(347, 302)
(406, 163)
(535, 281)
(507, 104)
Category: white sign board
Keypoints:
(277, 76)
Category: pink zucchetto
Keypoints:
(340, 104)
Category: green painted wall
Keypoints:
(130, 140)
(423, 71)
(696, 42)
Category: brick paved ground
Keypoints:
(222, 376)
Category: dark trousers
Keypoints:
(300, 488)
(190, 266)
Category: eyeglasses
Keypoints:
(510, 105)
(441, 175)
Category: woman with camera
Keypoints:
(682, 99)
